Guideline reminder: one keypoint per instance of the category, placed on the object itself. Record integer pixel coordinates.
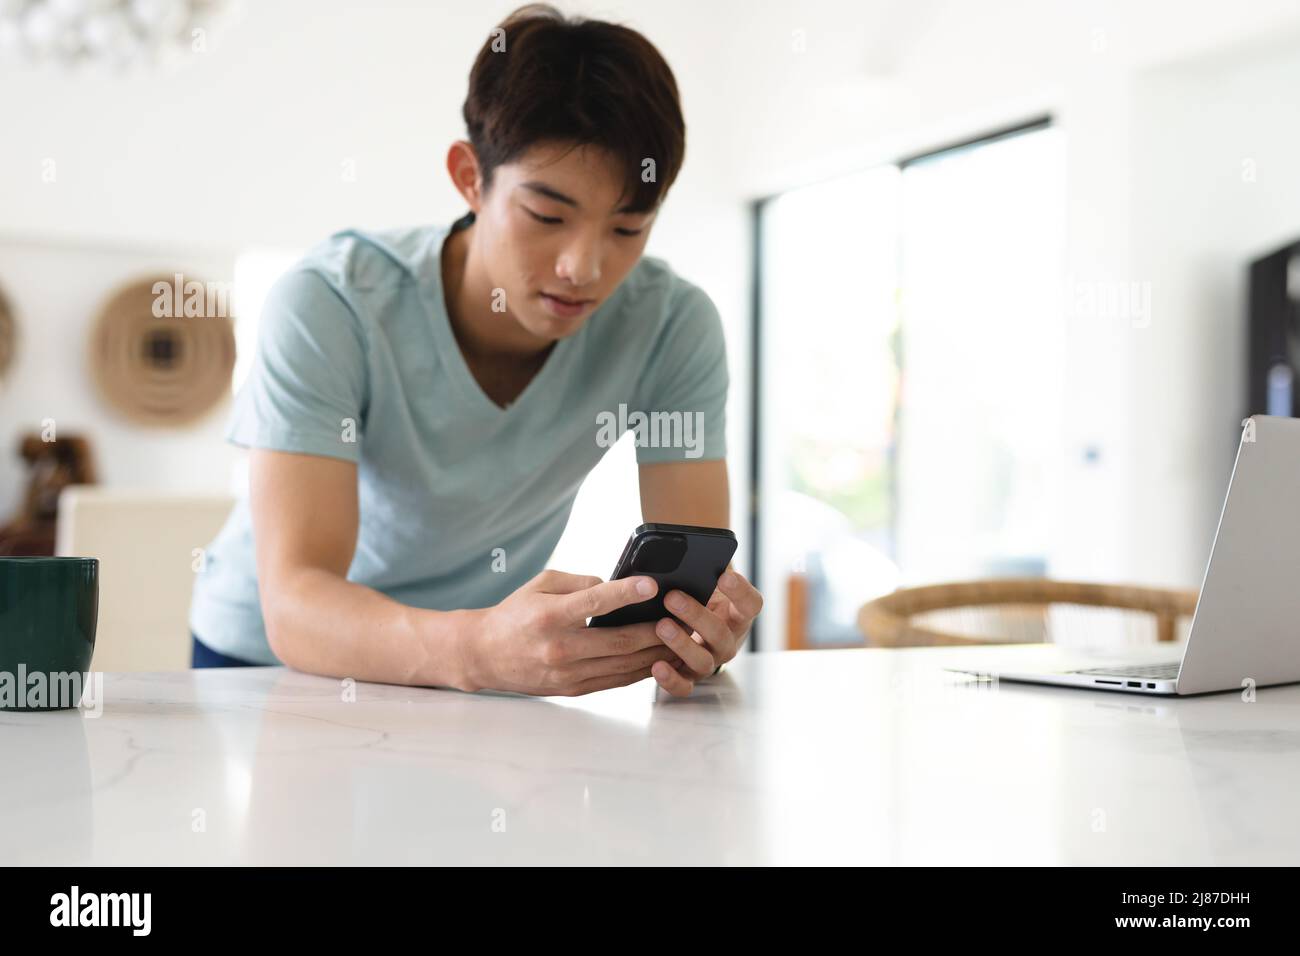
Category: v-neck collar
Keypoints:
(457, 366)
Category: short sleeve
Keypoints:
(687, 375)
(306, 389)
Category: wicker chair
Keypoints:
(1012, 611)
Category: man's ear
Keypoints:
(466, 176)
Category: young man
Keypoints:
(426, 402)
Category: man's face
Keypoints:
(556, 237)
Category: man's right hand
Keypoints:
(537, 641)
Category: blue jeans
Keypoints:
(204, 656)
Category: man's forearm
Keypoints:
(324, 624)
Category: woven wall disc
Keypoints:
(8, 337)
(168, 370)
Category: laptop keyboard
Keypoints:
(1154, 671)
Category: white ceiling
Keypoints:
(246, 141)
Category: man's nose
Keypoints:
(579, 263)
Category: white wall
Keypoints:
(1215, 184)
(57, 288)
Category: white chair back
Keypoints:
(145, 542)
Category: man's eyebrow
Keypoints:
(550, 193)
(544, 190)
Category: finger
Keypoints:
(606, 596)
(614, 641)
(720, 605)
(696, 656)
(743, 595)
(676, 683)
(714, 629)
(561, 582)
(610, 680)
(739, 626)
(622, 664)
(717, 590)
(722, 608)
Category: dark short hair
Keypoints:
(584, 82)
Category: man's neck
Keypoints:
(483, 335)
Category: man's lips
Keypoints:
(564, 307)
(565, 300)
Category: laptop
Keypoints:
(1246, 628)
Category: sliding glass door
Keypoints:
(910, 329)
(982, 320)
(829, 379)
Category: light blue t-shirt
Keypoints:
(357, 360)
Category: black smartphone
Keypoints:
(680, 557)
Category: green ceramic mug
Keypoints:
(48, 611)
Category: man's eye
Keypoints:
(549, 220)
(628, 232)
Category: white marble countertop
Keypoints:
(843, 756)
